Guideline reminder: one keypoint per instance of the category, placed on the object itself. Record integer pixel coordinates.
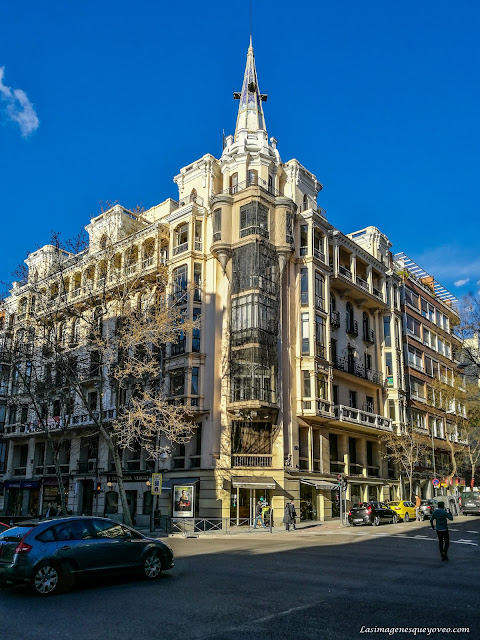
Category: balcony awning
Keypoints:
(253, 482)
(319, 484)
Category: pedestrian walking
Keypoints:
(289, 515)
(440, 516)
(259, 513)
(418, 502)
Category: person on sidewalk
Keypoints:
(259, 513)
(289, 515)
(440, 516)
(418, 502)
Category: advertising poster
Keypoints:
(183, 500)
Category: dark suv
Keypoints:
(371, 513)
(470, 502)
(50, 554)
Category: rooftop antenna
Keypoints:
(250, 22)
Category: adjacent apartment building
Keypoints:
(294, 374)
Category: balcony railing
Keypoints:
(319, 254)
(180, 248)
(369, 336)
(259, 182)
(147, 262)
(359, 370)
(352, 327)
(355, 469)
(336, 466)
(251, 460)
(362, 283)
(365, 418)
(346, 273)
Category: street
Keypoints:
(306, 584)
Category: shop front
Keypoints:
(21, 496)
(246, 492)
(319, 499)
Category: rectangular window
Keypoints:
(194, 387)
(417, 388)
(321, 386)
(319, 291)
(335, 394)
(352, 399)
(254, 219)
(431, 313)
(217, 225)
(415, 358)
(333, 441)
(424, 307)
(386, 331)
(303, 239)
(411, 298)
(3, 457)
(180, 281)
(304, 286)
(428, 366)
(197, 281)
(12, 415)
(318, 245)
(391, 410)
(369, 404)
(196, 331)
(413, 326)
(177, 382)
(198, 235)
(446, 323)
(389, 364)
(306, 385)
(320, 336)
(352, 450)
(305, 335)
(24, 416)
(427, 336)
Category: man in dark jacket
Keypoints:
(289, 515)
(440, 516)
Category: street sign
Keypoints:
(436, 482)
(156, 484)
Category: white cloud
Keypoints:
(460, 283)
(18, 107)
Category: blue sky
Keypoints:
(105, 101)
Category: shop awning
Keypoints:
(168, 483)
(253, 482)
(319, 484)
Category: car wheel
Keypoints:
(48, 579)
(407, 517)
(376, 521)
(394, 519)
(152, 566)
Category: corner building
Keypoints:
(287, 376)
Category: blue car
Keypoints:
(51, 554)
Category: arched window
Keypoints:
(234, 183)
(305, 202)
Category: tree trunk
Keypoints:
(127, 518)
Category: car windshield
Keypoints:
(394, 502)
(13, 534)
(469, 495)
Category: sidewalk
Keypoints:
(303, 527)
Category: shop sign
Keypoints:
(183, 500)
(130, 477)
(23, 484)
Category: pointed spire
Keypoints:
(250, 112)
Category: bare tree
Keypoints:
(405, 450)
(102, 321)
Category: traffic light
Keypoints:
(344, 483)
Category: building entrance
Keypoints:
(243, 501)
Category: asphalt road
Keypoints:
(296, 585)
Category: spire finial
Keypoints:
(250, 112)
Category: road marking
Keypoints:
(467, 531)
(453, 529)
(417, 536)
(474, 544)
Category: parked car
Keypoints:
(427, 507)
(51, 554)
(371, 513)
(404, 509)
(4, 526)
(470, 502)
